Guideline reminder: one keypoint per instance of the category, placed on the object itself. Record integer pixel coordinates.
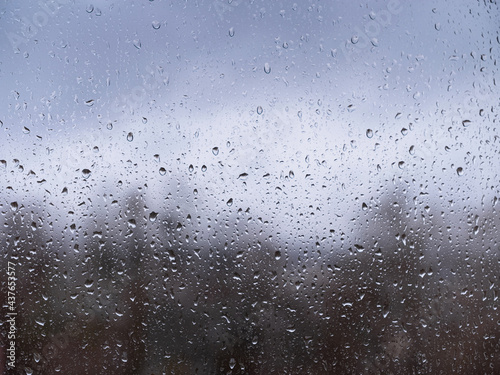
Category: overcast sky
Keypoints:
(322, 103)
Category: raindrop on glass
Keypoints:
(267, 68)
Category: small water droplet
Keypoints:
(354, 39)
(369, 133)
(437, 26)
(277, 255)
(466, 123)
(259, 110)
(137, 43)
(26, 130)
(191, 168)
(412, 150)
(89, 283)
(460, 171)
(404, 131)
(109, 126)
(401, 164)
(163, 171)
(130, 137)
(156, 24)
(215, 151)
(152, 216)
(89, 103)
(230, 202)
(14, 206)
(232, 363)
(231, 32)
(90, 8)
(203, 168)
(285, 45)
(144, 120)
(86, 173)
(267, 68)
(291, 174)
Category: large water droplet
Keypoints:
(215, 151)
(163, 171)
(230, 202)
(460, 171)
(130, 137)
(152, 216)
(369, 133)
(86, 173)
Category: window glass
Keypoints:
(249, 187)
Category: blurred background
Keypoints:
(251, 187)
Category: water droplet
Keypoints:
(354, 39)
(163, 171)
(412, 150)
(90, 8)
(152, 216)
(14, 206)
(230, 202)
(401, 164)
(259, 110)
(369, 133)
(437, 26)
(364, 206)
(466, 123)
(291, 174)
(232, 363)
(285, 45)
(231, 32)
(144, 120)
(191, 168)
(156, 24)
(267, 68)
(243, 176)
(203, 168)
(109, 126)
(130, 137)
(460, 171)
(277, 255)
(89, 103)
(215, 151)
(86, 173)
(404, 131)
(137, 43)
(26, 130)
(89, 283)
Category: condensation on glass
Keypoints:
(251, 187)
